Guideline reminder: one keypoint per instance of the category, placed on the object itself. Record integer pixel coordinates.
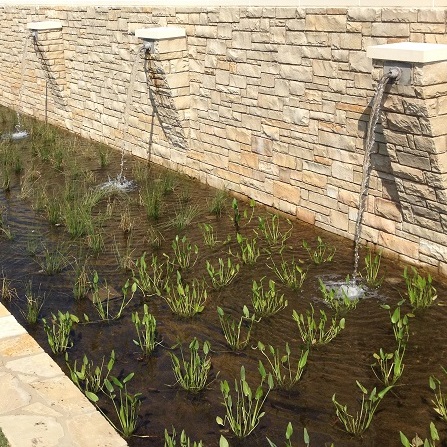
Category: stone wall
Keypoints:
(270, 103)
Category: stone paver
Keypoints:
(39, 405)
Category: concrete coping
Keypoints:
(45, 25)
(160, 33)
(417, 52)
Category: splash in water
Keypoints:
(376, 103)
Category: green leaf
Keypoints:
(289, 431)
(223, 442)
(220, 421)
(404, 440)
(92, 396)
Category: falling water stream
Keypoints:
(364, 188)
(20, 133)
(120, 182)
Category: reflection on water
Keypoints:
(43, 168)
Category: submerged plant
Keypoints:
(7, 293)
(289, 433)
(313, 332)
(184, 216)
(209, 237)
(82, 283)
(390, 365)
(372, 269)
(185, 254)
(192, 374)
(337, 298)
(249, 250)
(152, 279)
(218, 202)
(33, 304)
(271, 231)
(58, 331)
(420, 291)
(222, 275)
(146, 328)
(151, 199)
(53, 261)
(186, 300)
(291, 275)
(323, 252)
(90, 378)
(284, 375)
(440, 401)
(244, 408)
(171, 440)
(418, 442)
(126, 405)
(358, 423)
(267, 302)
(236, 332)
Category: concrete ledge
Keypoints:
(40, 404)
(43, 26)
(160, 33)
(416, 52)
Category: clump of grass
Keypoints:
(171, 440)
(337, 298)
(53, 261)
(33, 304)
(146, 329)
(284, 375)
(152, 279)
(267, 302)
(270, 229)
(289, 433)
(58, 331)
(192, 374)
(185, 253)
(292, 275)
(236, 332)
(321, 253)
(315, 332)
(421, 292)
(186, 300)
(358, 423)
(184, 215)
(371, 270)
(8, 292)
(249, 249)
(82, 284)
(440, 400)
(218, 203)
(222, 275)
(244, 407)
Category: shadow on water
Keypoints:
(44, 166)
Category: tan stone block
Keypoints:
(399, 245)
(387, 209)
(314, 179)
(326, 22)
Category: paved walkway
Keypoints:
(39, 405)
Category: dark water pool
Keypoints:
(38, 170)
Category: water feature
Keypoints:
(332, 368)
(353, 289)
(120, 182)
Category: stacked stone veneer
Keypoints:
(271, 103)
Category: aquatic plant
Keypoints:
(184, 216)
(168, 181)
(90, 378)
(58, 331)
(358, 423)
(270, 229)
(53, 261)
(171, 440)
(33, 304)
(267, 302)
(154, 237)
(82, 284)
(186, 300)
(284, 375)
(95, 240)
(146, 329)
(238, 216)
(313, 333)
(124, 256)
(185, 254)
(4, 228)
(192, 374)
(102, 303)
(337, 298)
(126, 405)
(372, 269)
(421, 292)
(249, 250)
(291, 275)
(209, 237)
(7, 292)
(440, 401)
(244, 409)
(104, 156)
(151, 199)
(218, 202)
(236, 332)
(399, 322)
(323, 252)
(154, 280)
(418, 442)
(126, 223)
(288, 435)
(222, 275)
